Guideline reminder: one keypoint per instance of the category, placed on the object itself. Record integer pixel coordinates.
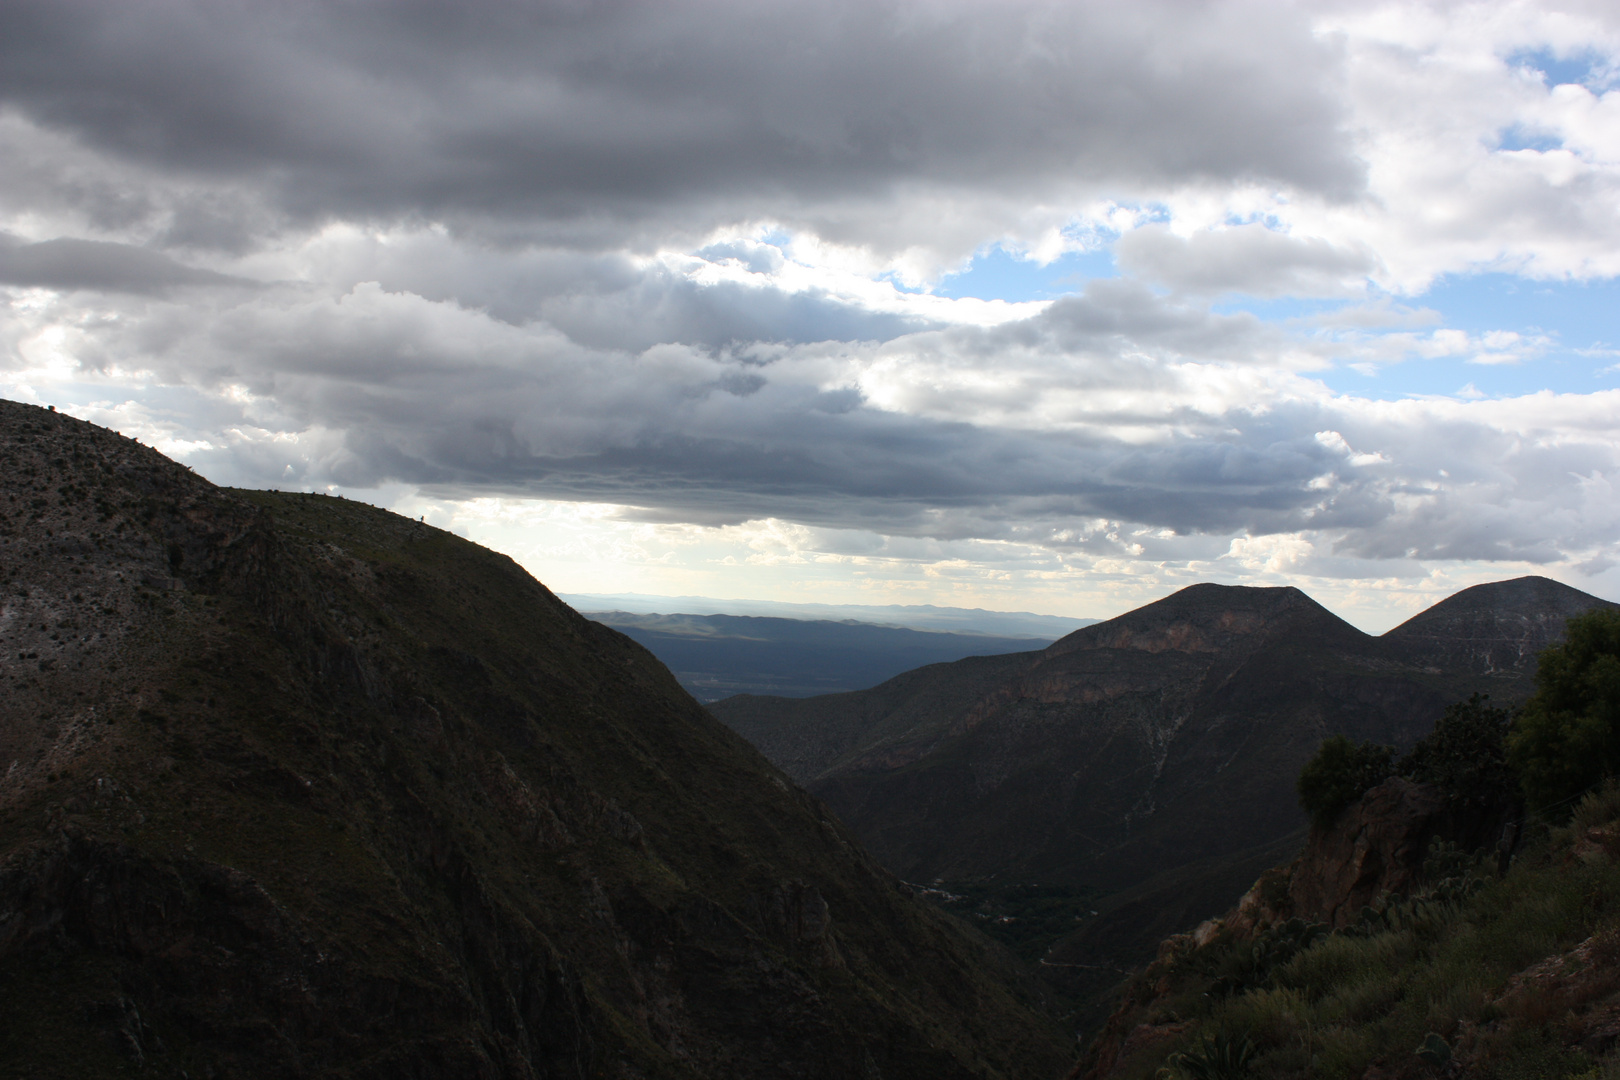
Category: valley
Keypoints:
(1151, 757)
(718, 656)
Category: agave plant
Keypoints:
(1434, 1051)
(1215, 1057)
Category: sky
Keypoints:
(1049, 307)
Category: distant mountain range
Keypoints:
(1010, 624)
(1153, 755)
(716, 656)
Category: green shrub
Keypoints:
(1339, 774)
(1465, 756)
(1246, 965)
(1567, 739)
(1434, 1051)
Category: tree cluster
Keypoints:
(1564, 741)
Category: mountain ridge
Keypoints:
(294, 786)
(1168, 735)
(912, 616)
(1495, 628)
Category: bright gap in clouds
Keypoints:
(1481, 334)
(1496, 335)
(1584, 68)
(998, 274)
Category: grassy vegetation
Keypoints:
(1421, 987)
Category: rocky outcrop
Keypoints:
(1377, 845)
(1373, 850)
(1579, 986)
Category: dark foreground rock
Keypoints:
(294, 787)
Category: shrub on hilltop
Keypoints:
(1465, 757)
(1567, 740)
(1339, 774)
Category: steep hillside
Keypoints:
(296, 787)
(903, 717)
(1169, 734)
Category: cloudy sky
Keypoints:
(1036, 306)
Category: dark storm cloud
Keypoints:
(494, 215)
(69, 264)
(606, 301)
(433, 394)
(590, 113)
(860, 468)
(1115, 406)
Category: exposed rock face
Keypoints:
(1378, 845)
(1568, 996)
(1375, 846)
(290, 786)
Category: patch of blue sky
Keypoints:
(1584, 314)
(997, 274)
(1523, 138)
(1579, 322)
(1587, 67)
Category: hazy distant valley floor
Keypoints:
(717, 656)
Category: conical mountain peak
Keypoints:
(1208, 617)
(1492, 629)
(1531, 596)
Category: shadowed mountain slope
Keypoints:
(295, 787)
(1170, 734)
(1152, 756)
(903, 717)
